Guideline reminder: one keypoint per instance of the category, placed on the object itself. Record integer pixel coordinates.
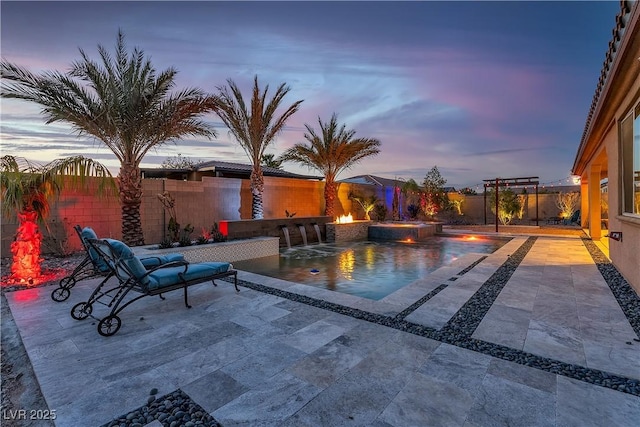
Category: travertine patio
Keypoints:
(530, 335)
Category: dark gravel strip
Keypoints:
(627, 298)
(467, 319)
(413, 307)
(466, 270)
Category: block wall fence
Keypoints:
(201, 203)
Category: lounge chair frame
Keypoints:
(116, 296)
(87, 269)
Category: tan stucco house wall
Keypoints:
(600, 156)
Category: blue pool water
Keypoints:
(367, 269)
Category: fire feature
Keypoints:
(342, 219)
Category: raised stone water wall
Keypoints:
(248, 228)
(357, 230)
(413, 232)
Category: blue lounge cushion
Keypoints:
(153, 261)
(88, 233)
(124, 254)
(169, 276)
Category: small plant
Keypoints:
(289, 214)
(366, 203)
(380, 211)
(216, 234)
(508, 205)
(413, 211)
(169, 204)
(56, 240)
(567, 203)
(204, 237)
(185, 239)
(165, 243)
(456, 204)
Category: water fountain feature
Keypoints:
(303, 233)
(285, 231)
(317, 228)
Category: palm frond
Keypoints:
(333, 149)
(256, 128)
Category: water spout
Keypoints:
(317, 228)
(303, 233)
(285, 231)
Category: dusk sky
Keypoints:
(479, 89)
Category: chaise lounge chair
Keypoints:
(93, 266)
(132, 276)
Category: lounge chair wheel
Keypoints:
(60, 294)
(109, 325)
(67, 282)
(82, 310)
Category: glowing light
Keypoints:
(408, 240)
(25, 268)
(472, 238)
(347, 263)
(342, 219)
(28, 295)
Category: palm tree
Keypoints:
(270, 161)
(333, 151)
(28, 189)
(255, 129)
(121, 101)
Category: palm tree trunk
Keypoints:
(130, 184)
(330, 189)
(257, 188)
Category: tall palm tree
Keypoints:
(121, 101)
(254, 129)
(27, 190)
(331, 152)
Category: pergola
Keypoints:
(508, 182)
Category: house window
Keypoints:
(630, 141)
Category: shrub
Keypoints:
(380, 211)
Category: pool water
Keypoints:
(367, 269)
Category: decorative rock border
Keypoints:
(171, 410)
(627, 298)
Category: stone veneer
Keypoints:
(236, 250)
(357, 230)
(400, 231)
(247, 228)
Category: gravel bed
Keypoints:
(172, 410)
(627, 298)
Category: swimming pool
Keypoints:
(369, 269)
